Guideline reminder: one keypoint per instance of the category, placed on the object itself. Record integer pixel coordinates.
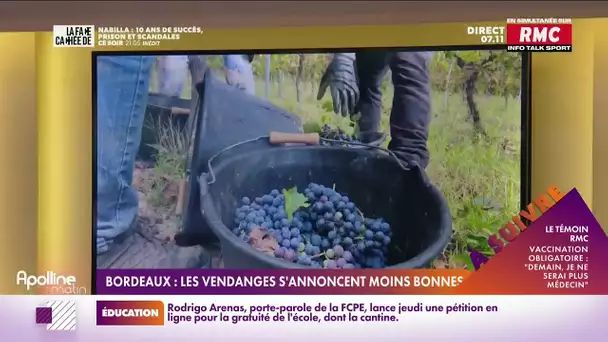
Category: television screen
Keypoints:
(362, 158)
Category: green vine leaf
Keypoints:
(294, 201)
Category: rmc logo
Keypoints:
(539, 35)
(58, 284)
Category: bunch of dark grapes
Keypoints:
(330, 233)
(336, 134)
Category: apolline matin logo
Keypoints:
(58, 284)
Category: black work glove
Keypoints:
(341, 78)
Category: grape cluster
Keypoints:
(336, 134)
(330, 233)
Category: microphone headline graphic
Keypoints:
(539, 35)
(74, 36)
(57, 315)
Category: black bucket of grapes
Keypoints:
(303, 205)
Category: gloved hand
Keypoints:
(341, 78)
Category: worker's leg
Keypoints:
(372, 66)
(122, 91)
(239, 73)
(411, 111)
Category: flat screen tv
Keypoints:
(458, 115)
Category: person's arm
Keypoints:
(239, 73)
(172, 74)
(411, 110)
(341, 79)
(344, 58)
